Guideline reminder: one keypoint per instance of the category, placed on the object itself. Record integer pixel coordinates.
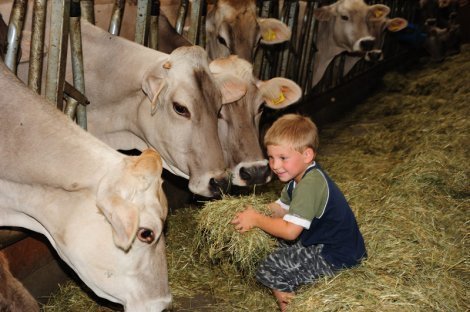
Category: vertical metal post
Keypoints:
(141, 22)
(77, 59)
(183, 11)
(292, 11)
(305, 41)
(36, 55)
(259, 65)
(153, 28)
(194, 29)
(116, 17)
(87, 10)
(15, 27)
(55, 75)
(202, 23)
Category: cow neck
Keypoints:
(62, 145)
(132, 60)
(327, 49)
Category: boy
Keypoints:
(318, 231)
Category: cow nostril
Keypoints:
(367, 45)
(375, 56)
(219, 186)
(244, 174)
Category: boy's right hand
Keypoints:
(245, 220)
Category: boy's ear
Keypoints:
(309, 155)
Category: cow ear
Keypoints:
(324, 13)
(273, 31)
(279, 92)
(152, 87)
(146, 167)
(397, 24)
(123, 217)
(232, 87)
(378, 11)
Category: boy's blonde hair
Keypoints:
(294, 130)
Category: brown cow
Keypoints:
(14, 297)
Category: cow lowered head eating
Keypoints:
(102, 211)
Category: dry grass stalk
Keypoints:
(218, 240)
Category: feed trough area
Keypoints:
(401, 159)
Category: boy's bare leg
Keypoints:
(283, 299)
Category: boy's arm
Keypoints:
(275, 226)
(277, 210)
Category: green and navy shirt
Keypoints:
(318, 205)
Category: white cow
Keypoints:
(343, 26)
(239, 121)
(102, 211)
(141, 97)
(379, 28)
(144, 98)
(232, 26)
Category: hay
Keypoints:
(218, 240)
(71, 298)
(401, 159)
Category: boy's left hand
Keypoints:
(245, 220)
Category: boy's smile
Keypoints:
(287, 163)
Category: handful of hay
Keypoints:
(217, 239)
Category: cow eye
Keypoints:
(181, 110)
(344, 17)
(221, 40)
(145, 235)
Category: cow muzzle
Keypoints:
(255, 175)
(219, 186)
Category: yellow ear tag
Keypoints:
(269, 35)
(394, 28)
(378, 13)
(279, 100)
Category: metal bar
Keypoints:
(36, 55)
(116, 17)
(71, 107)
(305, 41)
(71, 91)
(182, 13)
(15, 27)
(194, 29)
(141, 22)
(77, 59)
(153, 27)
(87, 9)
(202, 22)
(289, 60)
(260, 54)
(55, 75)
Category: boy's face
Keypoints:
(288, 163)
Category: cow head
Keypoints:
(232, 27)
(239, 121)
(378, 28)
(349, 22)
(182, 117)
(120, 253)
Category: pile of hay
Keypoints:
(71, 298)
(218, 240)
(401, 158)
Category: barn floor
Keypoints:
(205, 288)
